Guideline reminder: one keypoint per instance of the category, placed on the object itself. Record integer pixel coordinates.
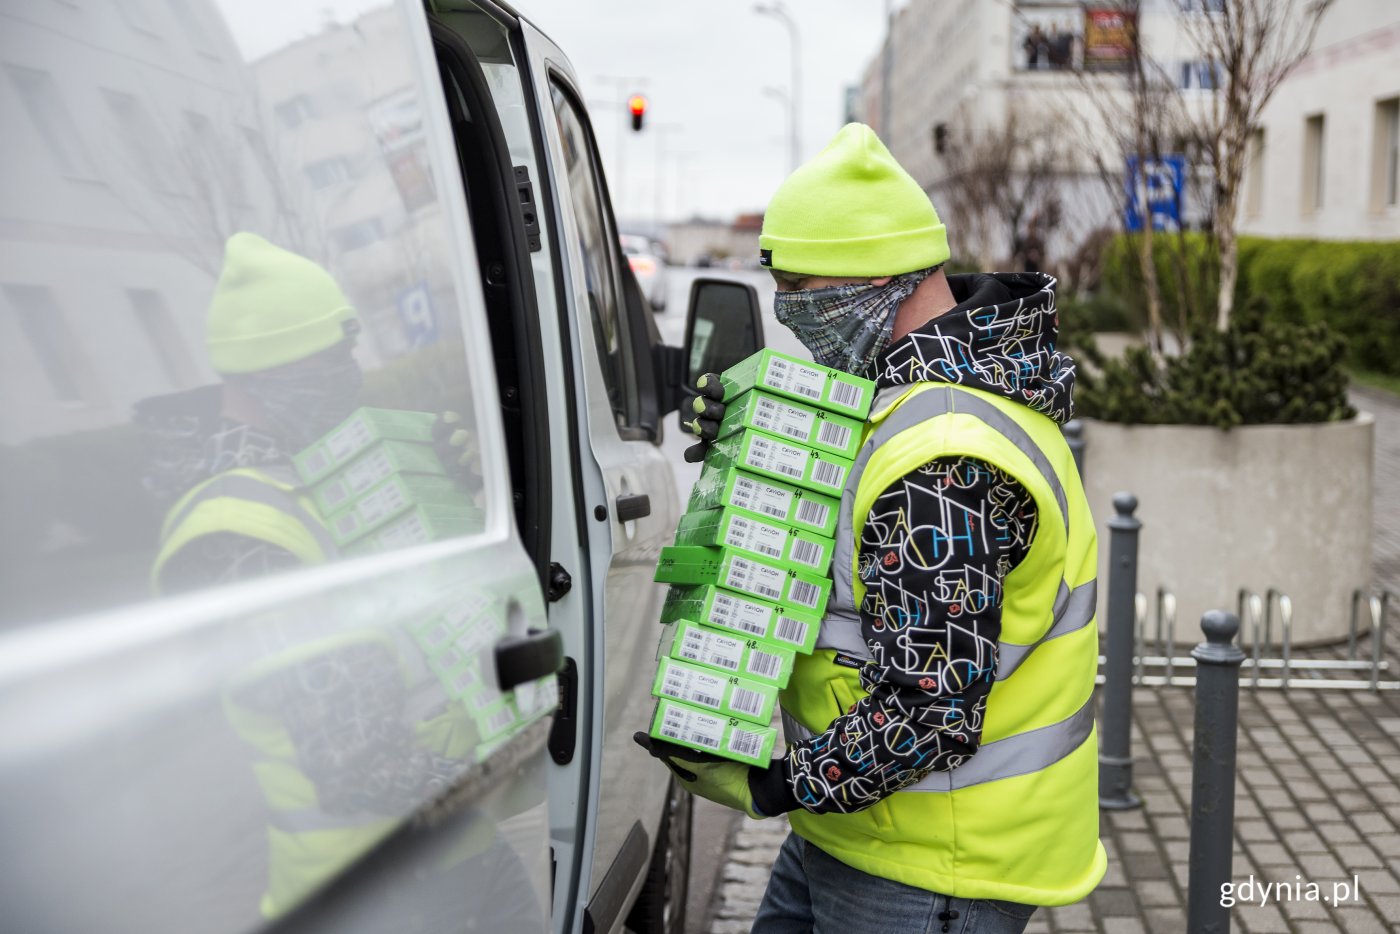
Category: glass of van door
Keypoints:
(723, 327)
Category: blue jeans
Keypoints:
(810, 891)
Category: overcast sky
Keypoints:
(706, 64)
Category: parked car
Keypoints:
(239, 251)
(648, 261)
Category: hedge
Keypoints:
(1351, 286)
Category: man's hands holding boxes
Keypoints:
(750, 569)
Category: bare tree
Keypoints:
(1253, 45)
(998, 179)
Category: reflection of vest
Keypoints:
(264, 504)
(306, 843)
(1019, 819)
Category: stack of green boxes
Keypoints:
(379, 484)
(751, 567)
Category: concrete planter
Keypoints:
(1286, 506)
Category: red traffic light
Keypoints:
(638, 105)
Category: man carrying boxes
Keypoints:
(940, 758)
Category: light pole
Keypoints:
(661, 130)
(681, 158)
(782, 98)
(778, 10)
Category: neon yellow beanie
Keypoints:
(852, 211)
(271, 307)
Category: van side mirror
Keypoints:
(723, 326)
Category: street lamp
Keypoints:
(778, 10)
(782, 98)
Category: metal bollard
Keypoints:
(1074, 437)
(1218, 662)
(1116, 756)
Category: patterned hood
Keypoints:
(1000, 338)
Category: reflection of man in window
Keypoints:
(281, 334)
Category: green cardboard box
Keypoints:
(765, 498)
(793, 421)
(358, 433)
(771, 456)
(389, 499)
(420, 525)
(744, 531)
(748, 658)
(729, 695)
(801, 380)
(373, 466)
(743, 573)
(727, 737)
(753, 619)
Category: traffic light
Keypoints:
(638, 105)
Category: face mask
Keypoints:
(303, 403)
(847, 327)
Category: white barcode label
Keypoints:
(407, 531)
(755, 536)
(794, 378)
(746, 701)
(846, 394)
(368, 471)
(711, 648)
(757, 496)
(810, 512)
(383, 502)
(764, 454)
(349, 438)
(466, 680)
(804, 594)
(693, 687)
(739, 614)
(828, 474)
(692, 726)
(752, 577)
(808, 553)
(744, 743)
(834, 435)
(791, 630)
(764, 664)
(782, 419)
(499, 720)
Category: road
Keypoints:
(714, 825)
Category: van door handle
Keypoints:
(633, 506)
(538, 653)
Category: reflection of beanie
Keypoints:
(852, 211)
(271, 307)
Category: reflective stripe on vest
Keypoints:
(1018, 754)
(840, 629)
(267, 491)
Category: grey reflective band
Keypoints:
(1020, 754)
(265, 492)
(1074, 609)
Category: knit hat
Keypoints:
(271, 307)
(852, 211)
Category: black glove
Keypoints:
(706, 413)
(758, 792)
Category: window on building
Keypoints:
(1385, 172)
(148, 146)
(1254, 173)
(294, 111)
(1314, 132)
(165, 339)
(51, 118)
(1200, 76)
(43, 325)
(327, 172)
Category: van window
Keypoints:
(227, 246)
(598, 248)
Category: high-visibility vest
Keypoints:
(306, 843)
(1018, 820)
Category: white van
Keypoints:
(227, 227)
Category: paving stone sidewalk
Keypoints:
(1318, 794)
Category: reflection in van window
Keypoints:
(237, 334)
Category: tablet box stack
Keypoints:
(379, 484)
(750, 569)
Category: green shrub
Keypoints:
(1258, 372)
